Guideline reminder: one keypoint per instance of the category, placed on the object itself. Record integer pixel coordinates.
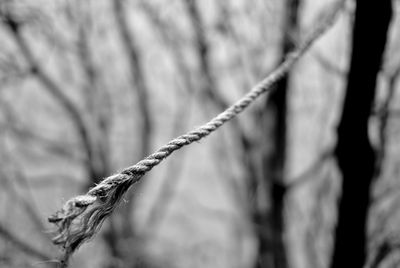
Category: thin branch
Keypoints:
(386, 246)
(100, 110)
(173, 174)
(52, 87)
(27, 202)
(82, 216)
(173, 42)
(209, 85)
(28, 135)
(22, 245)
(328, 65)
(226, 27)
(138, 76)
(384, 114)
(306, 175)
(141, 90)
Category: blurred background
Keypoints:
(90, 87)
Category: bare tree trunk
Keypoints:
(354, 153)
(272, 240)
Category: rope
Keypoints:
(82, 216)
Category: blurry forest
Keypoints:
(307, 177)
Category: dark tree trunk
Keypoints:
(274, 159)
(354, 153)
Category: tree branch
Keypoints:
(52, 87)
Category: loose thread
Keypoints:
(82, 216)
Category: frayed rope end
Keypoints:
(82, 216)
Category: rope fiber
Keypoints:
(81, 216)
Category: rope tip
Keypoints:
(80, 217)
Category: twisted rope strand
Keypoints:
(82, 216)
